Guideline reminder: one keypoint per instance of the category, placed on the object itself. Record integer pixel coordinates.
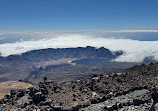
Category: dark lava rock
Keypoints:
(21, 93)
(13, 92)
(32, 91)
(38, 97)
(137, 102)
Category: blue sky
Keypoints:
(78, 14)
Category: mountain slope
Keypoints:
(63, 64)
(135, 88)
(51, 54)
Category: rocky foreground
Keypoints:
(6, 87)
(134, 89)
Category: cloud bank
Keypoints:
(135, 51)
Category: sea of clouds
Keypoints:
(135, 50)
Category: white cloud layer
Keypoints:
(135, 51)
(132, 31)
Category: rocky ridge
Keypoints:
(60, 64)
(134, 89)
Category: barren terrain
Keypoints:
(6, 87)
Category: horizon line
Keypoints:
(17, 31)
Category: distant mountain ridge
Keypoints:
(60, 64)
(59, 53)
